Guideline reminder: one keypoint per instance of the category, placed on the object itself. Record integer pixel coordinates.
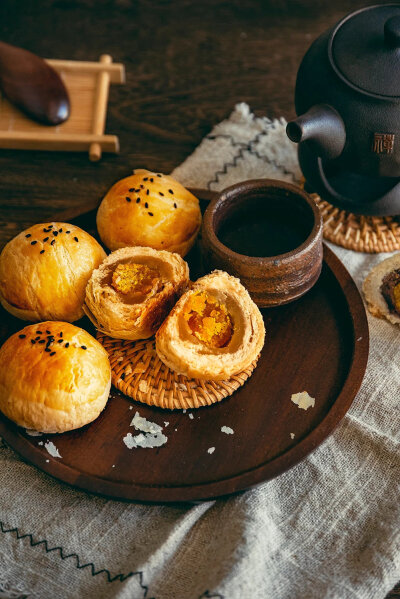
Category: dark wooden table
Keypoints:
(188, 62)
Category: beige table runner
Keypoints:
(327, 529)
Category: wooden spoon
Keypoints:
(32, 85)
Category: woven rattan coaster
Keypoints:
(138, 372)
(372, 234)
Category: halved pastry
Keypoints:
(214, 331)
(382, 289)
(133, 290)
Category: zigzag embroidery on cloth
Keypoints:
(206, 595)
(79, 566)
(246, 147)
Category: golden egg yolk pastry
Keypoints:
(214, 331)
(382, 289)
(133, 290)
(149, 209)
(54, 377)
(44, 271)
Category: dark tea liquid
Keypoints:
(264, 232)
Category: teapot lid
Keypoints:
(364, 50)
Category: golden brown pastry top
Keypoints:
(214, 331)
(133, 290)
(149, 209)
(54, 376)
(44, 271)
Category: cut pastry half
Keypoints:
(133, 290)
(214, 331)
(382, 289)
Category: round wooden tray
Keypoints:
(318, 343)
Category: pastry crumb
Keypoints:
(191, 416)
(143, 387)
(227, 430)
(292, 435)
(166, 423)
(150, 434)
(52, 449)
(184, 411)
(33, 433)
(211, 450)
(303, 400)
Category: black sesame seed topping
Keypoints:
(60, 230)
(48, 332)
(61, 333)
(45, 230)
(67, 344)
(83, 347)
(131, 189)
(137, 200)
(158, 175)
(175, 206)
(145, 179)
(45, 239)
(53, 242)
(142, 186)
(53, 353)
(33, 341)
(49, 226)
(147, 192)
(60, 341)
(42, 251)
(68, 232)
(161, 193)
(55, 233)
(33, 242)
(170, 191)
(123, 376)
(151, 180)
(28, 235)
(47, 349)
(146, 205)
(150, 214)
(76, 239)
(38, 332)
(42, 341)
(22, 336)
(128, 199)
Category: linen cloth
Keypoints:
(326, 529)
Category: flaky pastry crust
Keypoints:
(109, 309)
(376, 303)
(44, 271)
(54, 377)
(149, 209)
(181, 351)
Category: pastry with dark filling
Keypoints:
(382, 289)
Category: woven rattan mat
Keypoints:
(372, 234)
(138, 372)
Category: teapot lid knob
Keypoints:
(392, 32)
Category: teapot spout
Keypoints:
(322, 127)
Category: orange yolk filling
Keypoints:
(208, 320)
(134, 278)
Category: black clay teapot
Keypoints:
(348, 99)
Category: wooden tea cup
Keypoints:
(272, 280)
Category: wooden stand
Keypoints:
(87, 84)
